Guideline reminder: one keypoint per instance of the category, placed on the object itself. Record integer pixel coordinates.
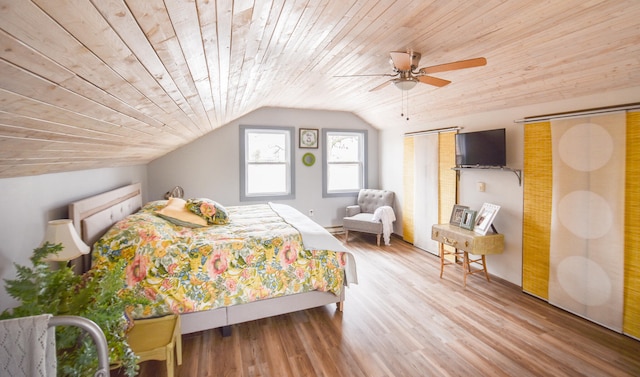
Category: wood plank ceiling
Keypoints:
(103, 83)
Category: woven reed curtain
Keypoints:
(581, 235)
(536, 227)
(631, 321)
(448, 186)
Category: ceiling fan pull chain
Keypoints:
(404, 103)
(407, 106)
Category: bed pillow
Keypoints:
(211, 211)
(177, 213)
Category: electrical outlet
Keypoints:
(311, 213)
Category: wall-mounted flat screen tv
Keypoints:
(481, 148)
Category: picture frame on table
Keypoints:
(468, 219)
(456, 214)
(308, 138)
(485, 217)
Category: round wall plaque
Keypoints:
(308, 159)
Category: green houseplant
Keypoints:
(96, 295)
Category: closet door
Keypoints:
(581, 233)
(575, 199)
(430, 186)
(425, 191)
(587, 217)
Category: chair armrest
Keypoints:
(353, 210)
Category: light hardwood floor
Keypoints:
(403, 320)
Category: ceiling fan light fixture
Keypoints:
(405, 83)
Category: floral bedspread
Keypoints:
(256, 256)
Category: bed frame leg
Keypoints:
(340, 305)
(225, 331)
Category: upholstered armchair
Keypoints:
(369, 215)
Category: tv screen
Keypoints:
(482, 148)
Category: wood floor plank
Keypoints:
(403, 320)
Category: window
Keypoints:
(266, 155)
(344, 162)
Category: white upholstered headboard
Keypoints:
(93, 216)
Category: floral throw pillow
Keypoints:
(210, 210)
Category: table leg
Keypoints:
(484, 266)
(466, 267)
(441, 259)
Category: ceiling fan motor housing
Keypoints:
(406, 81)
(415, 60)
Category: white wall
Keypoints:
(27, 204)
(501, 187)
(210, 166)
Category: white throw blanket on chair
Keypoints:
(387, 216)
(28, 347)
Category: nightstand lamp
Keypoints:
(63, 232)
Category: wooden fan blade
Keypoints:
(368, 75)
(401, 60)
(433, 81)
(470, 63)
(380, 86)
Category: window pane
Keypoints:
(344, 177)
(267, 179)
(343, 148)
(266, 147)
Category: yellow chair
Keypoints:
(157, 339)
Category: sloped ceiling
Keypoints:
(87, 84)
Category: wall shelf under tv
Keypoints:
(517, 172)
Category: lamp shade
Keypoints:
(63, 232)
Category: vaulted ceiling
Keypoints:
(105, 83)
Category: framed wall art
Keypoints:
(485, 218)
(456, 214)
(468, 219)
(308, 138)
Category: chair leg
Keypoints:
(178, 341)
(179, 349)
(346, 236)
(170, 361)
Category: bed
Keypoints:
(210, 291)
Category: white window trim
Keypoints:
(291, 194)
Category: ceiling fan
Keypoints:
(407, 74)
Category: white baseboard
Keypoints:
(335, 229)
